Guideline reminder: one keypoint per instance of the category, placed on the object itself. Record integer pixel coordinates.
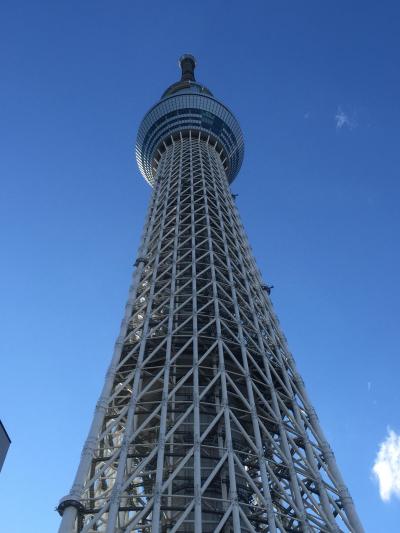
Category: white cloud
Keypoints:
(387, 466)
(342, 120)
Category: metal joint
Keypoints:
(66, 502)
(267, 288)
(139, 260)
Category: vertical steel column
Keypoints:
(69, 505)
(116, 492)
(228, 435)
(326, 508)
(196, 400)
(252, 407)
(155, 525)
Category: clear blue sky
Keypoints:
(315, 86)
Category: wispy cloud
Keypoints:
(387, 466)
(343, 120)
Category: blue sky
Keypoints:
(315, 86)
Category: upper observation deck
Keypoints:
(188, 106)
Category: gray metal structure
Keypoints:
(5, 442)
(203, 424)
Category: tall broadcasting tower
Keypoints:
(203, 424)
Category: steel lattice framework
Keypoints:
(203, 424)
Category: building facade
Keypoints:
(203, 424)
(5, 442)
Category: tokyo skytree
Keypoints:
(203, 424)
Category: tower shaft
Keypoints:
(203, 424)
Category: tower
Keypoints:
(203, 424)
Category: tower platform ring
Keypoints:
(189, 111)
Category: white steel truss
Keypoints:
(203, 424)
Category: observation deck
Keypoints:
(188, 106)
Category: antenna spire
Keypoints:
(187, 63)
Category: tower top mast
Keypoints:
(188, 106)
(187, 62)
